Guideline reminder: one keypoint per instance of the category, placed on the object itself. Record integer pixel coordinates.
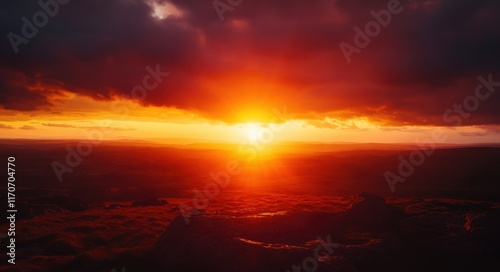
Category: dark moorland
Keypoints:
(119, 209)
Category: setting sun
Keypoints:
(253, 130)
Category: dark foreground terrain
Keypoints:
(119, 210)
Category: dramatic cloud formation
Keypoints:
(265, 54)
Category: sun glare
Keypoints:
(253, 131)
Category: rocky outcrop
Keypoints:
(266, 243)
(238, 244)
(371, 212)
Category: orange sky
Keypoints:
(179, 70)
(81, 116)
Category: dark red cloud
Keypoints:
(264, 55)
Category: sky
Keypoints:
(319, 70)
